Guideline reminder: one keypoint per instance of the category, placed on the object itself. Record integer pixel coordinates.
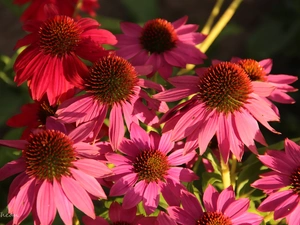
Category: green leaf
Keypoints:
(211, 178)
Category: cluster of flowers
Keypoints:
(84, 135)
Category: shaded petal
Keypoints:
(191, 203)
(178, 23)
(292, 150)
(177, 158)
(225, 199)
(117, 213)
(81, 132)
(181, 216)
(131, 29)
(286, 207)
(181, 174)
(262, 88)
(237, 208)
(134, 195)
(275, 200)
(272, 182)
(97, 221)
(18, 144)
(128, 147)
(139, 136)
(185, 82)
(123, 184)
(12, 168)
(117, 159)
(210, 198)
(116, 127)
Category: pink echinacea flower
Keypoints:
(161, 44)
(220, 208)
(285, 175)
(225, 103)
(50, 63)
(55, 172)
(149, 166)
(113, 83)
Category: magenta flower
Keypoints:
(113, 83)
(260, 72)
(51, 62)
(55, 172)
(148, 168)
(286, 176)
(220, 208)
(224, 104)
(161, 44)
(119, 215)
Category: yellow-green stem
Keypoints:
(225, 171)
(268, 217)
(214, 13)
(232, 170)
(213, 34)
(220, 25)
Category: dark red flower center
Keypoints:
(214, 218)
(59, 36)
(295, 181)
(158, 36)
(253, 69)
(151, 165)
(45, 110)
(224, 87)
(111, 80)
(48, 155)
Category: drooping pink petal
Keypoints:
(18, 144)
(237, 207)
(128, 147)
(131, 29)
(262, 88)
(24, 201)
(292, 150)
(92, 167)
(151, 197)
(286, 207)
(116, 127)
(89, 183)
(177, 158)
(275, 200)
(45, 205)
(63, 204)
(78, 196)
(183, 174)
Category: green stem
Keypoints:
(232, 170)
(225, 173)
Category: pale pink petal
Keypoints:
(207, 130)
(222, 137)
(12, 168)
(131, 29)
(262, 88)
(282, 78)
(78, 196)
(139, 136)
(14, 188)
(134, 195)
(173, 94)
(92, 167)
(116, 127)
(210, 198)
(123, 184)
(127, 112)
(262, 112)
(281, 97)
(89, 183)
(251, 218)
(45, 205)
(151, 197)
(64, 206)
(86, 149)
(191, 203)
(267, 65)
